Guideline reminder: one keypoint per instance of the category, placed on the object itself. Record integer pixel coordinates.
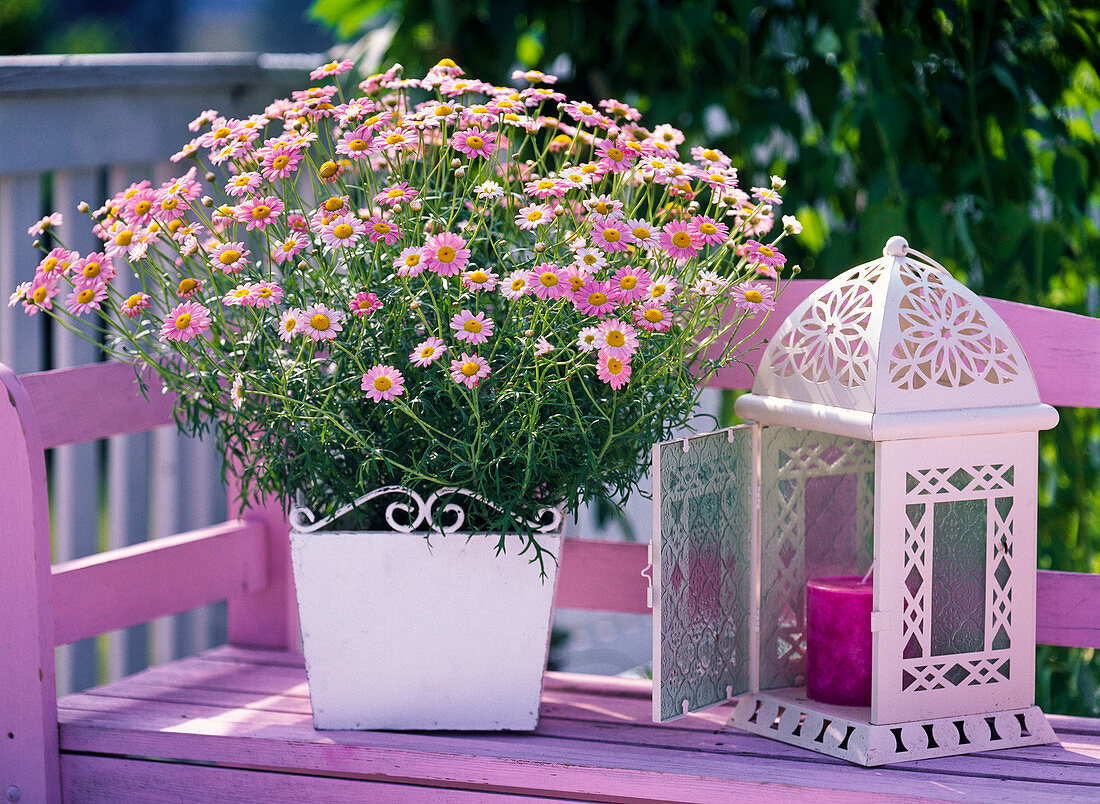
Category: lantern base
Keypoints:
(847, 733)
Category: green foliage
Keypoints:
(968, 126)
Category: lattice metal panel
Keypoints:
(702, 570)
(817, 519)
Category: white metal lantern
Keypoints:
(895, 439)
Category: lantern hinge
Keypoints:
(882, 620)
(647, 573)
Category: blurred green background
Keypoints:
(970, 127)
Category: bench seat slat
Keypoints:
(135, 584)
(1068, 609)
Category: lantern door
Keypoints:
(703, 564)
(954, 576)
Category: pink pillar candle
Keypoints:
(838, 640)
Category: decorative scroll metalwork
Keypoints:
(817, 519)
(419, 512)
(945, 339)
(829, 343)
(705, 532)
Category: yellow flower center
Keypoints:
(767, 251)
(470, 368)
(240, 293)
(475, 142)
(396, 138)
(615, 155)
(446, 63)
(124, 237)
(133, 301)
(49, 265)
(85, 295)
(173, 226)
(170, 203)
(445, 254)
(708, 228)
(320, 321)
(290, 325)
(92, 270)
(280, 161)
(628, 282)
(548, 279)
(597, 298)
(681, 240)
(396, 192)
(359, 144)
(615, 338)
(266, 293)
(479, 277)
(427, 351)
(229, 256)
(611, 235)
(141, 207)
(183, 321)
(289, 245)
(614, 365)
(657, 290)
(754, 296)
(576, 283)
(654, 316)
(39, 295)
(443, 110)
(328, 169)
(546, 184)
(187, 286)
(473, 325)
(534, 215)
(333, 204)
(517, 285)
(640, 233)
(590, 259)
(584, 108)
(589, 167)
(260, 211)
(711, 155)
(412, 260)
(222, 133)
(380, 226)
(382, 383)
(342, 231)
(603, 207)
(504, 103)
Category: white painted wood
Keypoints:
(400, 634)
(21, 336)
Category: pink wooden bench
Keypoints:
(234, 723)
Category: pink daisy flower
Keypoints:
(617, 339)
(546, 188)
(710, 231)
(56, 263)
(410, 262)
(753, 296)
(516, 284)
(290, 323)
(588, 339)
(365, 303)
(645, 235)
(595, 298)
(469, 370)
(135, 305)
(259, 213)
(343, 231)
(474, 142)
(184, 322)
(92, 270)
(611, 235)
(87, 298)
(680, 240)
(533, 216)
(54, 220)
(763, 255)
(288, 248)
(383, 383)
(446, 253)
(320, 323)
(575, 276)
(662, 288)
(615, 156)
(591, 259)
(395, 194)
(358, 143)
(479, 280)
(242, 295)
(243, 184)
(653, 316)
(710, 158)
(604, 205)
(332, 69)
(381, 229)
(630, 284)
(547, 282)
(584, 113)
(470, 328)
(38, 295)
(427, 352)
(612, 370)
(266, 294)
(229, 257)
(279, 164)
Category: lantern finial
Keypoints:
(896, 246)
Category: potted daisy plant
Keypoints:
(411, 307)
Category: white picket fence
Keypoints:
(81, 128)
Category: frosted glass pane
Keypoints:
(958, 577)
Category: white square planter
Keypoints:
(398, 634)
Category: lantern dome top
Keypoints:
(896, 348)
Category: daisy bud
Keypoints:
(778, 183)
(528, 333)
(539, 247)
(456, 162)
(693, 206)
(414, 305)
(210, 176)
(83, 206)
(207, 201)
(415, 205)
(460, 172)
(36, 244)
(559, 211)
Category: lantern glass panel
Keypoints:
(817, 520)
(958, 582)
